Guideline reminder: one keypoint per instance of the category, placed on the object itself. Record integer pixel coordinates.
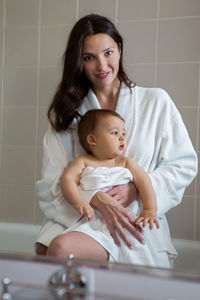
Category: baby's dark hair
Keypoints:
(89, 122)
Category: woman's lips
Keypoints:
(103, 75)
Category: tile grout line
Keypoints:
(156, 43)
(160, 19)
(116, 10)
(3, 85)
(120, 22)
(37, 110)
(130, 64)
(197, 148)
(77, 10)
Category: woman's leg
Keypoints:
(40, 249)
(78, 243)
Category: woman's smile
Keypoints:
(103, 75)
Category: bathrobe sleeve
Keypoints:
(56, 155)
(176, 164)
(158, 140)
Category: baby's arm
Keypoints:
(69, 183)
(146, 192)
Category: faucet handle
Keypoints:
(69, 260)
(68, 278)
(5, 291)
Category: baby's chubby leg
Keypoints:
(78, 243)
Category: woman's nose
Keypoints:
(101, 64)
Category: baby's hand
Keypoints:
(147, 217)
(85, 207)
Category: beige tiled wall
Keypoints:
(162, 48)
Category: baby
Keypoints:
(102, 134)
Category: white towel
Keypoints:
(153, 253)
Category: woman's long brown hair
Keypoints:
(74, 85)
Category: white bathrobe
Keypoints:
(157, 139)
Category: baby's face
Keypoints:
(110, 137)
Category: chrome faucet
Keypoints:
(5, 295)
(68, 279)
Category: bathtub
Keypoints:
(21, 237)
(18, 237)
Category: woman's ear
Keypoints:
(91, 140)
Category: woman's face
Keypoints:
(101, 57)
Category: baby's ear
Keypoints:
(91, 140)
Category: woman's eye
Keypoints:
(109, 52)
(88, 58)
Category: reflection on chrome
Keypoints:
(68, 279)
(5, 289)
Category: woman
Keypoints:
(93, 77)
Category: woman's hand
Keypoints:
(125, 194)
(117, 218)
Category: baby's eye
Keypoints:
(88, 58)
(124, 133)
(109, 52)
(114, 132)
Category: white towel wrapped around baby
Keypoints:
(103, 179)
(153, 253)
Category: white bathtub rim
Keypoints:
(16, 237)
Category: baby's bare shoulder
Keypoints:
(130, 161)
(87, 159)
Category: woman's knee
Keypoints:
(80, 244)
(40, 249)
(58, 247)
